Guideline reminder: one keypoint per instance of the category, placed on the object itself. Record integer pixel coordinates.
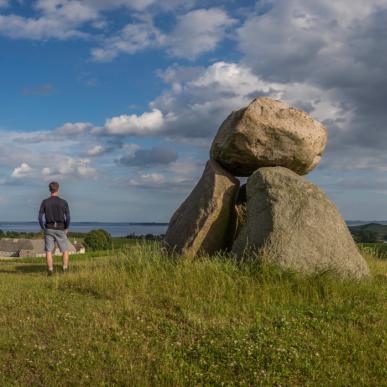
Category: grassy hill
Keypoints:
(379, 229)
(141, 318)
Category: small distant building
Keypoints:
(79, 248)
(10, 247)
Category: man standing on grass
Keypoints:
(57, 222)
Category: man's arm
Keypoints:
(40, 217)
(67, 216)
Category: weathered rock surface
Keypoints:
(206, 220)
(269, 133)
(292, 223)
(241, 209)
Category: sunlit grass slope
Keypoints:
(141, 318)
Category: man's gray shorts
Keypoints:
(52, 236)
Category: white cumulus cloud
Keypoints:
(69, 167)
(204, 97)
(199, 31)
(147, 180)
(70, 128)
(133, 38)
(24, 170)
(96, 150)
(196, 32)
(144, 124)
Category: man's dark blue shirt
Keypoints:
(56, 213)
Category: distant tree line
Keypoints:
(93, 236)
(17, 234)
(102, 240)
(99, 240)
(34, 235)
(148, 237)
(368, 236)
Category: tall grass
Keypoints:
(141, 317)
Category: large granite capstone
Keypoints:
(269, 133)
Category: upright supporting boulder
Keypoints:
(292, 223)
(206, 220)
(268, 133)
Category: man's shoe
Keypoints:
(50, 272)
(65, 270)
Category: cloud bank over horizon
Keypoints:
(121, 99)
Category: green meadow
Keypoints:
(139, 317)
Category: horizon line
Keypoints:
(88, 221)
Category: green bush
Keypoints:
(98, 240)
(367, 236)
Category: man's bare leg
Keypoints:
(50, 264)
(65, 260)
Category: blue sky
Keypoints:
(119, 100)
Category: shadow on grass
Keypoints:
(32, 269)
(26, 269)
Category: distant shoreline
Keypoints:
(86, 223)
(116, 229)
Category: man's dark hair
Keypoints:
(53, 187)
